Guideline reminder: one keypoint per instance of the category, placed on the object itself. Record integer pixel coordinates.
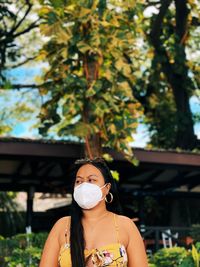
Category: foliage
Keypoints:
(17, 108)
(22, 250)
(175, 257)
(195, 256)
(10, 216)
(172, 77)
(107, 62)
(24, 257)
(18, 28)
(90, 78)
(197, 245)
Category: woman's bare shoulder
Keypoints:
(124, 219)
(59, 228)
(62, 222)
(126, 223)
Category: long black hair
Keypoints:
(77, 241)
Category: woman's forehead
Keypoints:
(87, 170)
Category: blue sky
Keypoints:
(26, 130)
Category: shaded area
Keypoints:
(160, 191)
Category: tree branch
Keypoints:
(17, 13)
(10, 38)
(157, 25)
(22, 63)
(22, 86)
(181, 20)
(31, 26)
(22, 19)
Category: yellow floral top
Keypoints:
(112, 255)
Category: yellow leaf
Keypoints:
(126, 89)
(62, 36)
(42, 55)
(50, 30)
(107, 74)
(112, 129)
(119, 64)
(83, 47)
(64, 53)
(70, 9)
(44, 10)
(83, 12)
(129, 139)
(108, 157)
(115, 175)
(195, 256)
(122, 66)
(105, 23)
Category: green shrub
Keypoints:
(188, 261)
(22, 250)
(197, 245)
(151, 265)
(23, 258)
(176, 257)
(169, 257)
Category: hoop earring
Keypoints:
(111, 198)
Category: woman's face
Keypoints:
(90, 174)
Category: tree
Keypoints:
(173, 77)
(17, 108)
(17, 29)
(11, 218)
(90, 78)
(154, 58)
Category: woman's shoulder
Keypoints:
(124, 219)
(62, 222)
(60, 228)
(126, 223)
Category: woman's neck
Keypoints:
(95, 213)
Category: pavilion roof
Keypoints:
(45, 164)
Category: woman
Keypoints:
(94, 235)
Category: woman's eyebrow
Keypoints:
(79, 177)
(92, 175)
(87, 176)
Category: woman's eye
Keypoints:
(92, 180)
(78, 181)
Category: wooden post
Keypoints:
(29, 212)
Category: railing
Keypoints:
(156, 237)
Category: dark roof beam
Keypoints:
(151, 178)
(172, 184)
(195, 181)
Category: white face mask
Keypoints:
(88, 195)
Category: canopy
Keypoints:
(45, 165)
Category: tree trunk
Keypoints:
(93, 146)
(92, 140)
(177, 73)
